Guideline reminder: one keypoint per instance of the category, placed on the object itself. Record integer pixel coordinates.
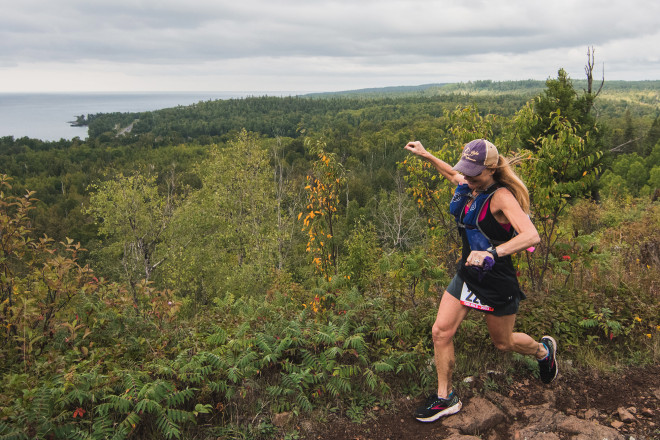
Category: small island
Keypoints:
(81, 121)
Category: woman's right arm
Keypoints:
(443, 167)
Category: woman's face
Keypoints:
(481, 181)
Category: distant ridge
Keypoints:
(379, 90)
(487, 87)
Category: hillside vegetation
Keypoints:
(232, 260)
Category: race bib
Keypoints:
(469, 299)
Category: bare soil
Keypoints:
(574, 394)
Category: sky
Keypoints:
(317, 45)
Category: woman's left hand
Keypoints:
(476, 258)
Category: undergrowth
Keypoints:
(83, 358)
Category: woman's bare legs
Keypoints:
(450, 315)
(501, 332)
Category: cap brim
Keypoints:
(468, 168)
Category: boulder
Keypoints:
(477, 417)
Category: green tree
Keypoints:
(654, 179)
(630, 138)
(561, 99)
(652, 137)
(132, 216)
(637, 175)
(223, 237)
(362, 253)
(559, 170)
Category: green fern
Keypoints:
(179, 398)
(384, 366)
(217, 338)
(370, 379)
(8, 432)
(356, 342)
(167, 426)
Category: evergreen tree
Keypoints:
(652, 137)
(560, 98)
(629, 139)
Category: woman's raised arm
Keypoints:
(443, 167)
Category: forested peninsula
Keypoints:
(199, 271)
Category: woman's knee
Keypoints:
(503, 344)
(442, 333)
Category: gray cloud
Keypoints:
(363, 39)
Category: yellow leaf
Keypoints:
(299, 215)
(584, 174)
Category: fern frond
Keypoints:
(217, 387)
(403, 328)
(178, 398)
(102, 427)
(370, 379)
(588, 323)
(8, 432)
(355, 342)
(148, 406)
(127, 425)
(116, 403)
(303, 402)
(309, 360)
(383, 367)
(383, 333)
(333, 352)
(180, 416)
(218, 338)
(167, 427)
(339, 385)
(325, 338)
(247, 359)
(214, 360)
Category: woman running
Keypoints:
(491, 206)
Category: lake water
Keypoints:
(46, 116)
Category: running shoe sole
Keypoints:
(554, 355)
(446, 412)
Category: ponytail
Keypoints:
(505, 175)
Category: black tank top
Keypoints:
(500, 285)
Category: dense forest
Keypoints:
(194, 271)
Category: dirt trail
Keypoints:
(626, 407)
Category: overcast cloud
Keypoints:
(316, 45)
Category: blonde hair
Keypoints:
(505, 175)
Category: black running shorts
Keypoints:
(455, 289)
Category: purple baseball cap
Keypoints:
(477, 155)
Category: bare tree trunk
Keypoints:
(589, 70)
